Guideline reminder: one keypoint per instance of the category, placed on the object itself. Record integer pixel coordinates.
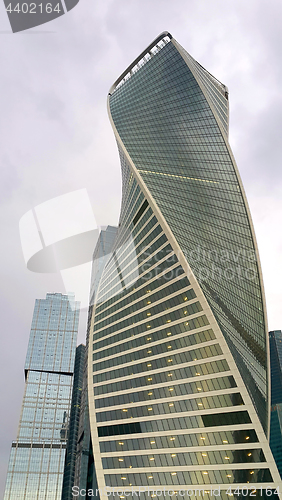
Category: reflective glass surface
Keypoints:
(175, 140)
(37, 457)
(151, 327)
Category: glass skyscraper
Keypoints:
(70, 460)
(85, 474)
(275, 342)
(178, 361)
(37, 457)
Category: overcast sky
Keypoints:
(56, 137)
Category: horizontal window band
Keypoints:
(209, 420)
(110, 319)
(189, 440)
(166, 276)
(187, 374)
(180, 389)
(185, 459)
(178, 355)
(39, 445)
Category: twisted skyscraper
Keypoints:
(178, 371)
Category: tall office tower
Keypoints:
(275, 342)
(70, 459)
(85, 474)
(37, 457)
(178, 385)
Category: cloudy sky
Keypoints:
(56, 137)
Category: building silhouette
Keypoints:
(275, 342)
(37, 456)
(178, 371)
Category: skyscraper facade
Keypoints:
(37, 457)
(85, 473)
(70, 459)
(275, 342)
(178, 360)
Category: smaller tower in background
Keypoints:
(37, 456)
(69, 470)
(275, 342)
(85, 473)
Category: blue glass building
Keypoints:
(37, 457)
(275, 341)
(178, 364)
